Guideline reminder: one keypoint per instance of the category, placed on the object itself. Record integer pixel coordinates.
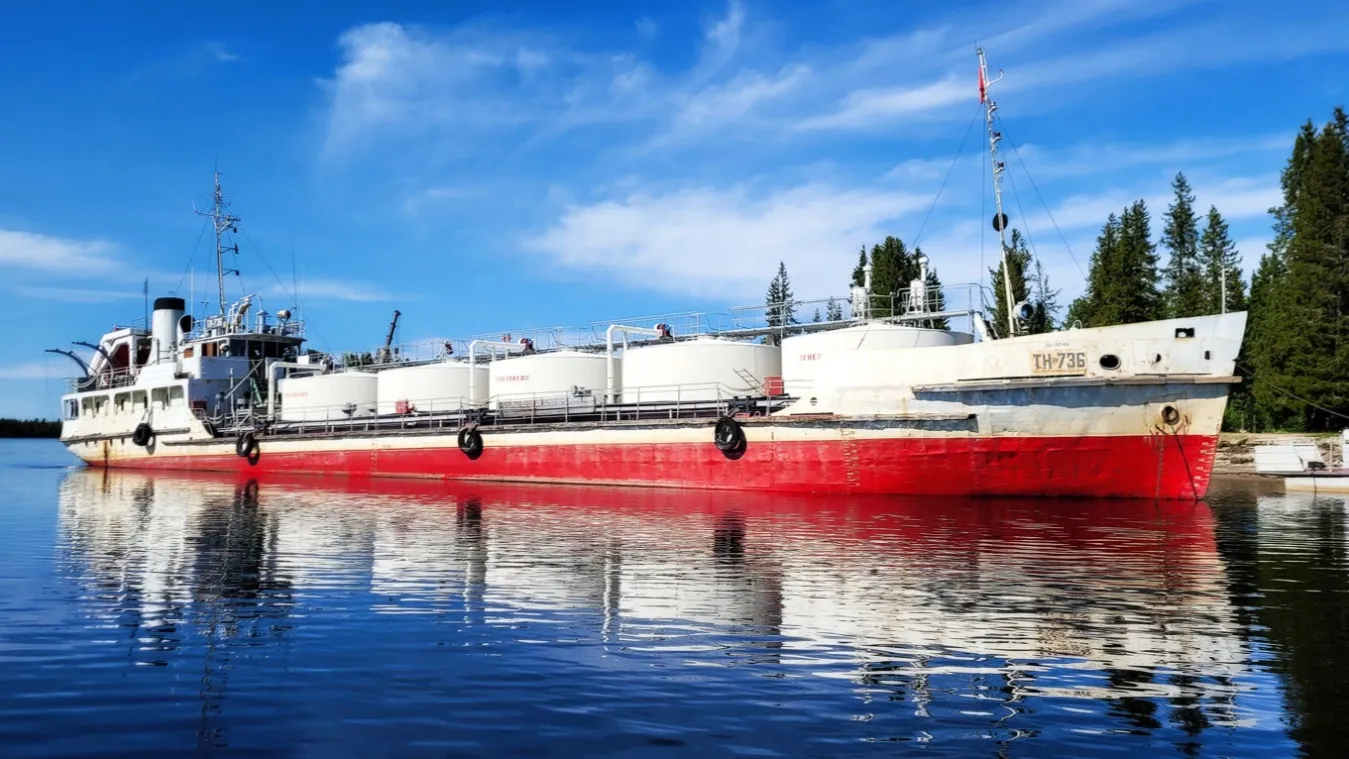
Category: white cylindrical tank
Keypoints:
(431, 387)
(544, 380)
(703, 369)
(804, 355)
(332, 397)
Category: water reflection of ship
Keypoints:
(905, 589)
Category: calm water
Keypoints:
(144, 616)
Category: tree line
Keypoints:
(1294, 362)
(14, 428)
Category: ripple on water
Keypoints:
(175, 613)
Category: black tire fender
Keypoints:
(143, 434)
(729, 437)
(246, 445)
(470, 442)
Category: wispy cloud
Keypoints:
(31, 250)
(878, 108)
(77, 294)
(333, 289)
(220, 53)
(720, 242)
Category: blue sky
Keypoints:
(491, 166)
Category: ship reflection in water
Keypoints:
(334, 618)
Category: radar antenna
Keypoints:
(224, 222)
(999, 218)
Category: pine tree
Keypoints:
(936, 294)
(1083, 311)
(1018, 256)
(892, 268)
(1184, 280)
(1045, 301)
(859, 275)
(1122, 281)
(779, 308)
(833, 310)
(816, 318)
(1219, 263)
(1303, 328)
(1134, 295)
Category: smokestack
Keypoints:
(164, 326)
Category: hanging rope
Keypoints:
(947, 178)
(1290, 393)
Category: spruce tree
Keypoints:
(833, 310)
(1133, 294)
(816, 318)
(892, 268)
(1084, 310)
(780, 310)
(1220, 266)
(859, 275)
(1045, 301)
(1302, 358)
(936, 294)
(1184, 295)
(1019, 258)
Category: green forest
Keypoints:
(10, 428)
(1295, 357)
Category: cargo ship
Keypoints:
(880, 398)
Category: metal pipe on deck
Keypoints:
(272, 382)
(610, 395)
(472, 357)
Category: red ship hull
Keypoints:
(1158, 466)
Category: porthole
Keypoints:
(1109, 362)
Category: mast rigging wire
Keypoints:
(949, 170)
(192, 259)
(1002, 128)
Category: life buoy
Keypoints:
(143, 434)
(729, 437)
(246, 445)
(470, 442)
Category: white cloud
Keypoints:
(333, 289)
(218, 51)
(1237, 198)
(402, 79)
(710, 242)
(1093, 158)
(77, 295)
(30, 250)
(878, 108)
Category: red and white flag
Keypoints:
(983, 86)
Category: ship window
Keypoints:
(1109, 362)
(188, 351)
(176, 395)
(138, 402)
(72, 409)
(121, 403)
(160, 397)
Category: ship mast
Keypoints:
(224, 222)
(999, 218)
